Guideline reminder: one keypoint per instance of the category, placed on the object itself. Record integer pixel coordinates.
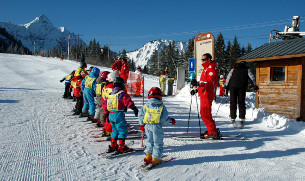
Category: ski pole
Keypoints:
(188, 122)
(142, 139)
(219, 105)
(198, 114)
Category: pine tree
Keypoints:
(220, 55)
(153, 63)
(235, 52)
(189, 52)
(123, 54)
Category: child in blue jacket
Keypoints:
(88, 88)
(153, 115)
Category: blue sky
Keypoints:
(130, 24)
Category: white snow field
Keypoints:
(40, 141)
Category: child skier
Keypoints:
(67, 79)
(222, 83)
(76, 85)
(153, 115)
(99, 114)
(105, 92)
(88, 89)
(117, 100)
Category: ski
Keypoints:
(127, 144)
(150, 166)
(128, 137)
(113, 155)
(133, 131)
(208, 139)
(223, 136)
(129, 132)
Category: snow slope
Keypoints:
(40, 142)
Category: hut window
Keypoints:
(277, 73)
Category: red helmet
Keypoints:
(162, 73)
(104, 74)
(155, 92)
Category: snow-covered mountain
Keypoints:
(42, 32)
(142, 55)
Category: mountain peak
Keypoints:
(42, 19)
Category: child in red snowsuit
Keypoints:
(222, 83)
(76, 85)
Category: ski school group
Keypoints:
(112, 101)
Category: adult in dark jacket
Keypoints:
(237, 83)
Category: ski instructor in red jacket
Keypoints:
(207, 91)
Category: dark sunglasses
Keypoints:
(204, 59)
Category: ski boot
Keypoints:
(242, 123)
(90, 118)
(206, 135)
(84, 114)
(76, 113)
(113, 146)
(99, 124)
(105, 133)
(122, 148)
(95, 120)
(155, 161)
(148, 159)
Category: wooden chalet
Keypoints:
(280, 75)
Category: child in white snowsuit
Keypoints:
(153, 115)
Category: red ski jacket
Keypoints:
(116, 65)
(208, 80)
(124, 72)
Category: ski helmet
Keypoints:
(104, 74)
(112, 76)
(221, 76)
(83, 65)
(162, 73)
(119, 82)
(95, 71)
(138, 68)
(155, 92)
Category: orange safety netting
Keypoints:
(135, 85)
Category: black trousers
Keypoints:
(79, 104)
(237, 96)
(67, 92)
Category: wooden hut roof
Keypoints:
(276, 50)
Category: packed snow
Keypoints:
(41, 141)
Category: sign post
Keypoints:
(192, 68)
(204, 43)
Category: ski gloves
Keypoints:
(173, 121)
(255, 88)
(142, 128)
(135, 110)
(194, 91)
(194, 82)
